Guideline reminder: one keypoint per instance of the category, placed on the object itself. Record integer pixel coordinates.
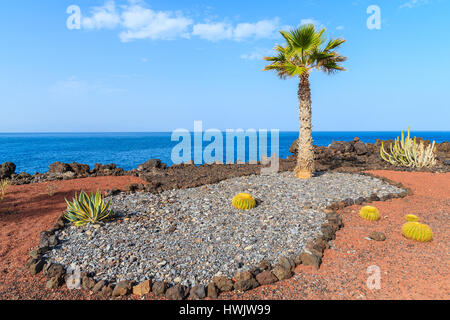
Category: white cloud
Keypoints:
(260, 29)
(137, 21)
(143, 23)
(251, 56)
(221, 30)
(105, 16)
(303, 22)
(340, 28)
(257, 54)
(213, 31)
(310, 21)
(414, 3)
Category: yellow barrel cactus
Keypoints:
(417, 231)
(411, 218)
(369, 213)
(244, 201)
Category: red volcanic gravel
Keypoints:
(24, 213)
(409, 270)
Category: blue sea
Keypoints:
(33, 152)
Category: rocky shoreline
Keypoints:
(353, 156)
(358, 156)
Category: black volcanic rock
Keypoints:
(80, 169)
(7, 169)
(150, 164)
(341, 146)
(360, 148)
(107, 170)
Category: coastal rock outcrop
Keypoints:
(62, 168)
(65, 171)
(357, 155)
(83, 170)
(151, 164)
(352, 156)
(360, 148)
(59, 168)
(107, 170)
(80, 169)
(443, 147)
(7, 169)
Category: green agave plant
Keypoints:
(87, 209)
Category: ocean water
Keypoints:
(33, 152)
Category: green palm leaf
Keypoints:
(306, 49)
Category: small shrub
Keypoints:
(408, 153)
(87, 209)
(4, 185)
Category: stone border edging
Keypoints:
(262, 274)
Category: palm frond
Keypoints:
(306, 38)
(305, 49)
(331, 66)
(294, 70)
(333, 44)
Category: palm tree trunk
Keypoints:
(305, 156)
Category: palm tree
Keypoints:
(306, 49)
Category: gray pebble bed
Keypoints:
(188, 236)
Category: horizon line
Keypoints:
(223, 130)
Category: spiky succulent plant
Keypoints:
(411, 218)
(417, 231)
(87, 209)
(369, 213)
(244, 201)
(408, 153)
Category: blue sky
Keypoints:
(159, 65)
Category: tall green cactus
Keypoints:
(408, 153)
